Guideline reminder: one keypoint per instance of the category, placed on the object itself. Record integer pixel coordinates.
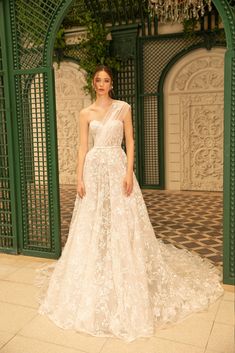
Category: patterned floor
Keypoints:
(191, 220)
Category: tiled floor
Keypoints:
(23, 330)
(191, 220)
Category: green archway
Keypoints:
(228, 16)
(30, 219)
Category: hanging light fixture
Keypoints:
(179, 10)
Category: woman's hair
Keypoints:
(108, 71)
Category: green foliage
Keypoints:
(190, 27)
(60, 39)
(96, 49)
(59, 44)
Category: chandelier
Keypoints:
(179, 10)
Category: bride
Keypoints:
(114, 278)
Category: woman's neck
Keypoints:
(103, 101)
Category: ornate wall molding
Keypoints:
(70, 99)
(194, 122)
(202, 142)
(197, 69)
(75, 36)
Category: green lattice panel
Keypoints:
(30, 23)
(150, 145)
(156, 54)
(6, 234)
(73, 52)
(34, 137)
(125, 87)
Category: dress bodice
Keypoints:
(113, 135)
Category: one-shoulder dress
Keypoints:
(114, 277)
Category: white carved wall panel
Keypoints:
(70, 99)
(202, 142)
(194, 122)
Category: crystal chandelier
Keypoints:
(179, 10)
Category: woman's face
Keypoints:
(102, 83)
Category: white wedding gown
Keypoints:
(114, 278)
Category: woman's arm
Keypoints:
(82, 151)
(128, 130)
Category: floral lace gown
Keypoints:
(114, 278)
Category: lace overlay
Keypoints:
(114, 278)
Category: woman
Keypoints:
(114, 277)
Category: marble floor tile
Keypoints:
(225, 314)
(13, 317)
(151, 345)
(193, 331)
(5, 337)
(221, 338)
(18, 293)
(43, 329)
(21, 344)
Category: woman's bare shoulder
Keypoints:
(122, 103)
(85, 112)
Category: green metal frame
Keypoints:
(227, 14)
(10, 208)
(37, 191)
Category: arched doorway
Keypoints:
(193, 122)
(27, 58)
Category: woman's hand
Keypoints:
(128, 184)
(81, 189)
